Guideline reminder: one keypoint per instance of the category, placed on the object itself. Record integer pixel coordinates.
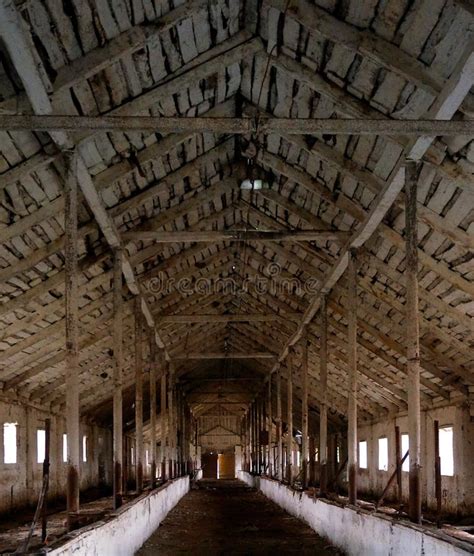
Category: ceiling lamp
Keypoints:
(255, 179)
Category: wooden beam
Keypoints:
(235, 235)
(279, 436)
(413, 343)
(304, 412)
(289, 405)
(153, 379)
(224, 355)
(241, 126)
(323, 408)
(139, 446)
(351, 318)
(164, 422)
(118, 379)
(270, 428)
(72, 341)
(213, 318)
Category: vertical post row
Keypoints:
(138, 396)
(304, 413)
(117, 410)
(352, 361)
(153, 365)
(289, 448)
(323, 409)
(72, 338)
(413, 342)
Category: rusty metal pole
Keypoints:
(118, 378)
(44, 509)
(352, 360)
(289, 449)
(270, 428)
(437, 470)
(323, 409)
(304, 413)
(138, 396)
(163, 421)
(398, 459)
(279, 438)
(72, 339)
(413, 342)
(153, 365)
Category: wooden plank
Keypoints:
(234, 235)
(351, 317)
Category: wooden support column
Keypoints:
(352, 382)
(398, 463)
(118, 378)
(323, 408)
(304, 414)
(270, 427)
(163, 422)
(312, 461)
(138, 396)
(413, 341)
(153, 375)
(279, 437)
(171, 426)
(289, 441)
(72, 336)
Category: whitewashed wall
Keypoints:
(129, 528)
(357, 533)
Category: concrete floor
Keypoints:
(227, 517)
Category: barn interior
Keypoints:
(237, 242)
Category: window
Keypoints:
(40, 445)
(64, 447)
(9, 443)
(363, 454)
(383, 454)
(446, 450)
(146, 458)
(405, 446)
(132, 456)
(84, 448)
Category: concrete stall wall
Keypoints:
(20, 482)
(129, 528)
(357, 533)
(457, 490)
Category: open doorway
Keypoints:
(209, 465)
(226, 466)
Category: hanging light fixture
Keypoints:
(256, 177)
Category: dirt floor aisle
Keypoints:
(227, 517)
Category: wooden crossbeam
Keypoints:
(250, 317)
(243, 126)
(224, 355)
(235, 235)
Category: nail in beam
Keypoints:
(289, 449)
(352, 360)
(117, 410)
(138, 396)
(413, 343)
(153, 366)
(304, 412)
(163, 421)
(72, 353)
(323, 408)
